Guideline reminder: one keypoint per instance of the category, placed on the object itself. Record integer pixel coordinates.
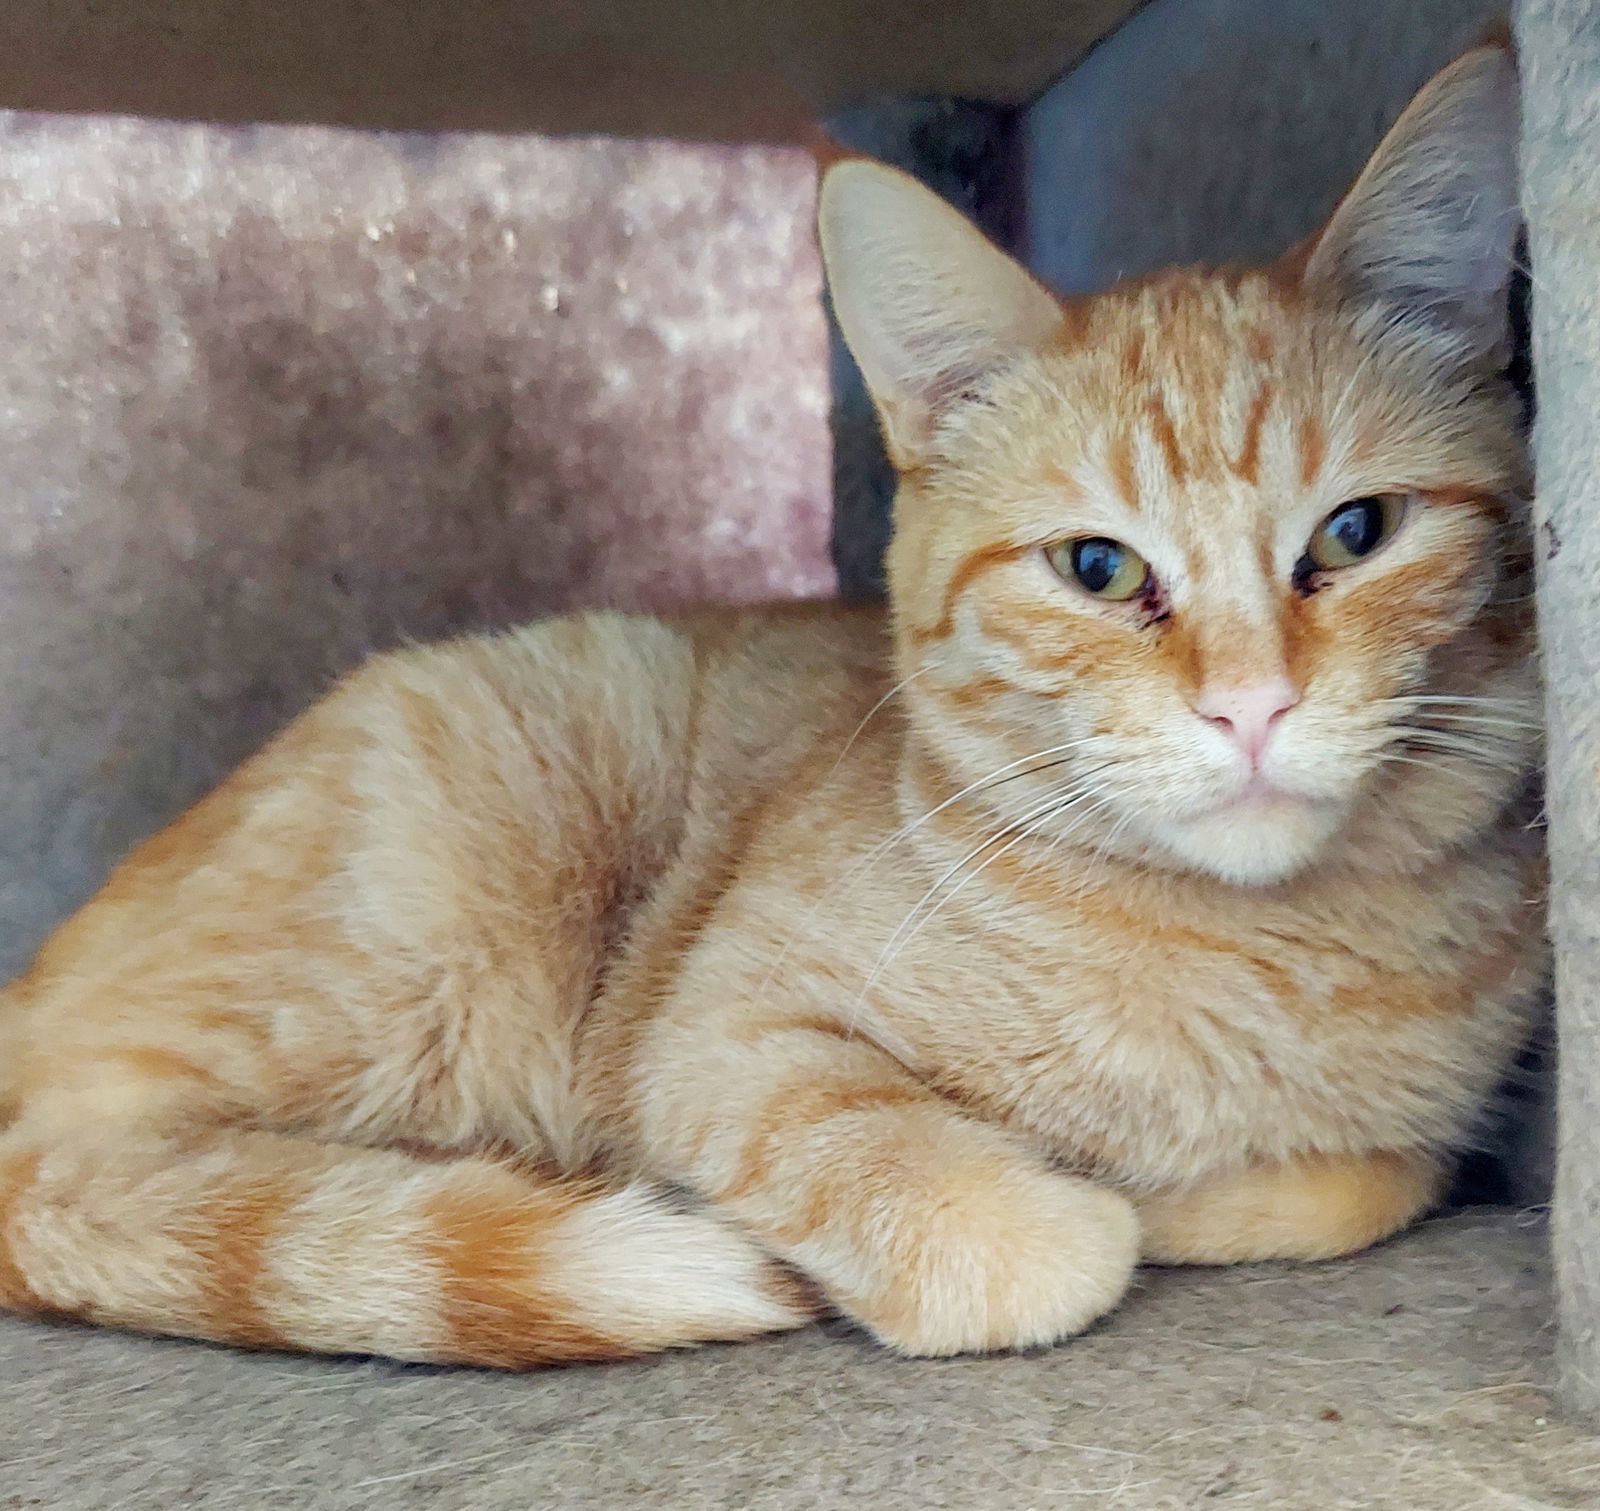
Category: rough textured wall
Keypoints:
(1560, 42)
(1222, 130)
(270, 397)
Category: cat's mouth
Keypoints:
(1262, 833)
(1259, 798)
(1262, 795)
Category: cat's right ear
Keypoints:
(927, 304)
(1429, 230)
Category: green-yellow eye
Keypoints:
(1106, 568)
(1355, 530)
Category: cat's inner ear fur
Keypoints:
(927, 304)
(1430, 228)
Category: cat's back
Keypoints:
(471, 823)
(688, 712)
(446, 779)
(778, 689)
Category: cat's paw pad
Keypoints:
(1004, 1264)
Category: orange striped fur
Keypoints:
(613, 984)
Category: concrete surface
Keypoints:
(1412, 1378)
(738, 69)
(271, 397)
(1561, 198)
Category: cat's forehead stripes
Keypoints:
(1248, 462)
(1189, 422)
(1200, 379)
(1207, 421)
(971, 566)
(1313, 438)
(1162, 431)
(1122, 468)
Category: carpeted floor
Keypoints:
(1410, 1378)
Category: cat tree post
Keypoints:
(1560, 50)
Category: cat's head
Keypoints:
(1217, 547)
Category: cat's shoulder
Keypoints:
(841, 633)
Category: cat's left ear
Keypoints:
(1430, 227)
(927, 304)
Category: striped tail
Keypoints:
(269, 1241)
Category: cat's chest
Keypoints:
(1170, 1044)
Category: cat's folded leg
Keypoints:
(939, 1233)
(1314, 1207)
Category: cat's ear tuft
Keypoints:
(1430, 227)
(927, 304)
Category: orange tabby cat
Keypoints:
(1152, 881)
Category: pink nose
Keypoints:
(1248, 714)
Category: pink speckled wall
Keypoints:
(273, 396)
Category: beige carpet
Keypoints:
(1410, 1378)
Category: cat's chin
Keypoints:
(1256, 844)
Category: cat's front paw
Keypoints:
(995, 1264)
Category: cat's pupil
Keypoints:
(1096, 562)
(1358, 527)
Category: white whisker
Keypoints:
(1466, 702)
(1488, 721)
(1509, 768)
(1465, 744)
(1434, 704)
(855, 734)
(1103, 849)
(1009, 772)
(1490, 724)
(920, 915)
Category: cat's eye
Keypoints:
(1106, 568)
(1355, 530)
